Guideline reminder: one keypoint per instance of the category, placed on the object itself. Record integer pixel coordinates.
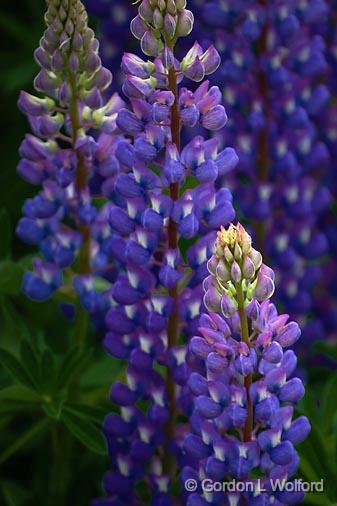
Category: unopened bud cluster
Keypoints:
(69, 48)
(236, 270)
(161, 21)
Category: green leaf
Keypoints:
(30, 360)
(329, 402)
(329, 350)
(10, 277)
(315, 499)
(23, 439)
(315, 452)
(86, 432)
(101, 373)
(13, 494)
(53, 407)
(72, 365)
(48, 371)
(19, 393)
(14, 327)
(90, 413)
(16, 369)
(5, 234)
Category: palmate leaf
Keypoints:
(48, 372)
(73, 363)
(30, 360)
(19, 393)
(16, 369)
(85, 431)
(94, 414)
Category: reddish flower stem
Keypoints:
(173, 322)
(81, 183)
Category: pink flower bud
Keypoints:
(222, 273)
(248, 268)
(212, 299)
(149, 44)
(210, 60)
(264, 288)
(228, 305)
(185, 23)
(236, 274)
(170, 25)
(138, 27)
(289, 335)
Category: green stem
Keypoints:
(248, 428)
(24, 439)
(58, 477)
(81, 326)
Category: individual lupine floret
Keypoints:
(61, 155)
(241, 380)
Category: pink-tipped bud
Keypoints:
(149, 44)
(138, 27)
(265, 287)
(185, 23)
(212, 299)
(228, 305)
(211, 60)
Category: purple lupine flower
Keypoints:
(242, 382)
(60, 155)
(274, 68)
(165, 194)
(277, 78)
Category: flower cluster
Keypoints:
(274, 60)
(71, 166)
(165, 210)
(244, 392)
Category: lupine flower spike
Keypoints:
(60, 155)
(167, 209)
(242, 382)
(279, 82)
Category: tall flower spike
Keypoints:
(276, 83)
(61, 156)
(241, 380)
(167, 191)
(278, 70)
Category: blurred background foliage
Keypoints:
(53, 398)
